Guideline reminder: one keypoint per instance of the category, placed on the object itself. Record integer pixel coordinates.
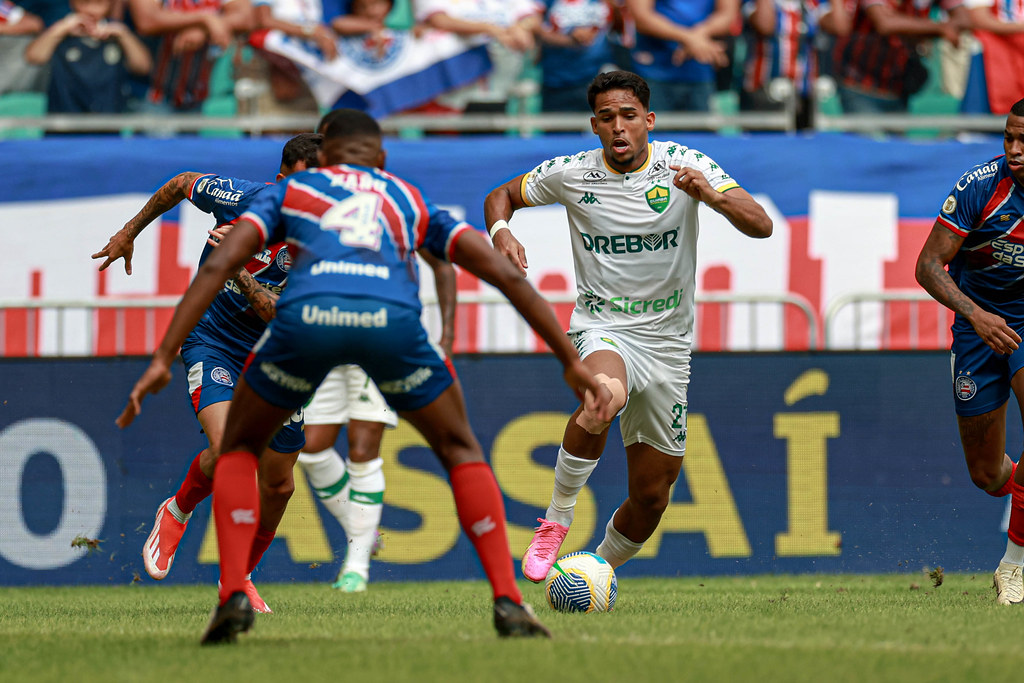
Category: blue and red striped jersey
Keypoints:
(986, 208)
(354, 230)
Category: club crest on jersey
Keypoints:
(221, 376)
(949, 206)
(965, 388)
(657, 198)
(284, 259)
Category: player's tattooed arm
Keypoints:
(939, 249)
(122, 243)
(262, 300)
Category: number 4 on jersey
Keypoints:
(355, 219)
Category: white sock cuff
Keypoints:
(1014, 553)
(365, 469)
(573, 465)
(319, 457)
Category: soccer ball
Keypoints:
(581, 582)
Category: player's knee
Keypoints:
(278, 491)
(589, 420)
(653, 500)
(986, 478)
(317, 441)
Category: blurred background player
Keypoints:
(216, 349)
(353, 297)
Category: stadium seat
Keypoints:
(22, 104)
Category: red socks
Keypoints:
(1016, 529)
(196, 487)
(1006, 488)
(259, 545)
(482, 516)
(236, 512)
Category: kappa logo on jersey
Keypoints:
(657, 198)
(629, 244)
(594, 177)
(1005, 217)
(949, 206)
(589, 198)
(221, 376)
(965, 388)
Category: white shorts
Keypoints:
(656, 381)
(348, 394)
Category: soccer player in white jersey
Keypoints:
(632, 210)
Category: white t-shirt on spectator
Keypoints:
(500, 12)
(302, 12)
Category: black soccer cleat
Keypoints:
(228, 620)
(517, 621)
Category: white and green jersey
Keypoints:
(634, 237)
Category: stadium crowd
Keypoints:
(265, 56)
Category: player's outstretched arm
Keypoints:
(122, 243)
(237, 248)
(499, 205)
(938, 250)
(474, 254)
(736, 204)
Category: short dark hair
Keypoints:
(619, 80)
(348, 122)
(1018, 108)
(302, 147)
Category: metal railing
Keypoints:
(73, 328)
(855, 303)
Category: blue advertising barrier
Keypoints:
(461, 170)
(797, 462)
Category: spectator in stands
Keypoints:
(510, 24)
(677, 51)
(780, 38)
(997, 80)
(17, 27)
(878, 65)
(190, 36)
(575, 48)
(89, 56)
(286, 91)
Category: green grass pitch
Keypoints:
(763, 628)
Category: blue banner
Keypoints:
(796, 462)
(461, 170)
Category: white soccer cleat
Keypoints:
(1009, 584)
(158, 553)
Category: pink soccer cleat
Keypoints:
(254, 597)
(158, 553)
(543, 550)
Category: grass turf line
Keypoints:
(762, 628)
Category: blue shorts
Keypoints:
(312, 335)
(211, 379)
(981, 377)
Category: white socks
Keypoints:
(365, 505)
(355, 496)
(326, 473)
(571, 474)
(616, 548)
(1014, 553)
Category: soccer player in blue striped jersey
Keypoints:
(353, 297)
(216, 349)
(979, 236)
